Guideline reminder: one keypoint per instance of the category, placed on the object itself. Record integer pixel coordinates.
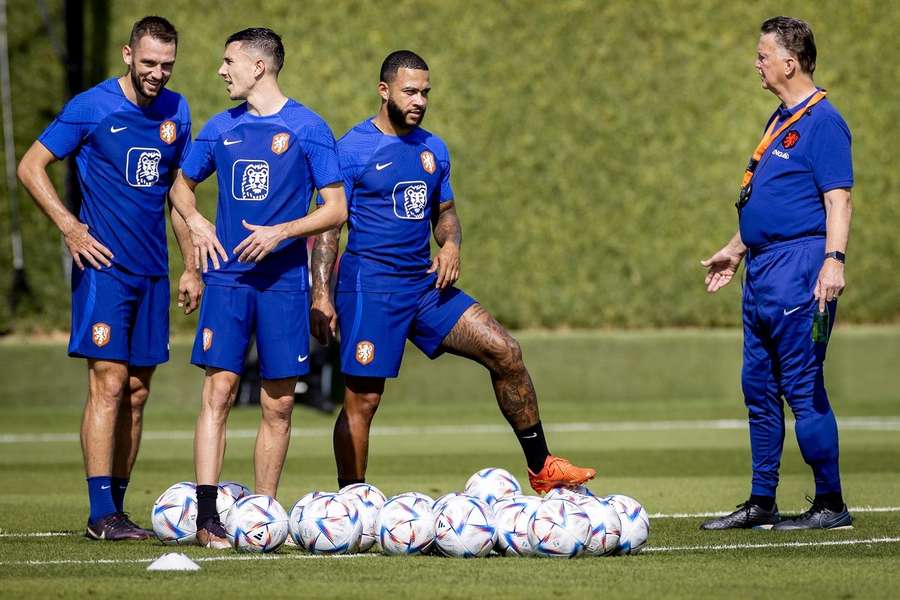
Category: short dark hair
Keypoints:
(796, 37)
(400, 59)
(156, 27)
(264, 40)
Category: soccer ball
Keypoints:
(296, 515)
(369, 501)
(573, 493)
(559, 528)
(174, 514)
(234, 489)
(330, 524)
(512, 516)
(405, 524)
(464, 528)
(635, 523)
(492, 484)
(605, 526)
(257, 523)
(436, 507)
(419, 496)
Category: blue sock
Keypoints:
(100, 494)
(119, 487)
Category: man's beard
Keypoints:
(398, 117)
(138, 85)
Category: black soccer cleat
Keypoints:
(818, 517)
(114, 528)
(747, 516)
(212, 534)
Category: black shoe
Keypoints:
(818, 517)
(115, 527)
(127, 518)
(747, 516)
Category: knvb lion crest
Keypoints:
(168, 132)
(410, 199)
(250, 180)
(280, 143)
(428, 162)
(791, 139)
(365, 352)
(142, 167)
(100, 334)
(207, 338)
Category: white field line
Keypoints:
(244, 557)
(881, 540)
(848, 423)
(138, 561)
(852, 509)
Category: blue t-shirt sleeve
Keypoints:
(830, 157)
(443, 158)
(200, 159)
(185, 133)
(319, 147)
(67, 131)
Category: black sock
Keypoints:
(342, 483)
(833, 501)
(534, 445)
(764, 502)
(206, 503)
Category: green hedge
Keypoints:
(596, 146)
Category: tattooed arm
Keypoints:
(448, 235)
(322, 316)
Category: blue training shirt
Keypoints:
(808, 159)
(393, 185)
(127, 157)
(268, 168)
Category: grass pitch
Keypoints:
(659, 414)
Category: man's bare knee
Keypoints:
(108, 382)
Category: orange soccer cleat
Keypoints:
(558, 472)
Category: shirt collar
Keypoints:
(787, 113)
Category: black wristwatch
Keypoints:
(838, 256)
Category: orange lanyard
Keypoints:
(771, 134)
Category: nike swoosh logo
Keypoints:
(230, 142)
(104, 487)
(379, 167)
(793, 310)
(302, 357)
(117, 129)
(529, 437)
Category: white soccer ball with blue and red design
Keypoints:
(296, 514)
(234, 490)
(492, 484)
(330, 524)
(369, 501)
(464, 528)
(512, 516)
(573, 493)
(635, 523)
(405, 524)
(174, 514)
(606, 526)
(436, 507)
(559, 528)
(257, 523)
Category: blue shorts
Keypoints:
(117, 315)
(376, 325)
(231, 316)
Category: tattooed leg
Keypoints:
(479, 337)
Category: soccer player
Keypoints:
(389, 289)
(270, 153)
(129, 134)
(794, 215)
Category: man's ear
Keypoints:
(383, 91)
